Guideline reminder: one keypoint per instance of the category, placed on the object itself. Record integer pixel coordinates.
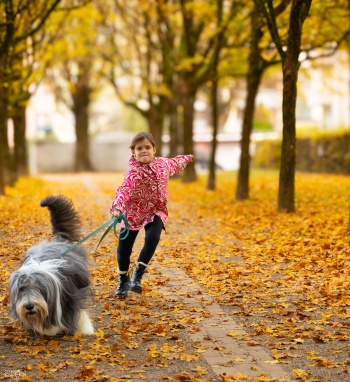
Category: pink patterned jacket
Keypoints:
(144, 191)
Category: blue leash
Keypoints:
(112, 223)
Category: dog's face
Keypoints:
(30, 296)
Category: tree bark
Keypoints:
(7, 174)
(20, 151)
(286, 191)
(81, 101)
(175, 127)
(253, 82)
(3, 132)
(188, 99)
(253, 79)
(212, 164)
(155, 119)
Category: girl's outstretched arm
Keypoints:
(178, 164)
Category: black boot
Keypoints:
(123, 286)
(135, 284)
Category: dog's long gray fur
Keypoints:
(50, 292)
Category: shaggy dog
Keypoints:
(51, 290)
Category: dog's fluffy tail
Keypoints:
(65, 221)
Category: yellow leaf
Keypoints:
(99, 334)
(77, 337)
(299, 373)
(42, 367)
(188, 357)
(232, 334)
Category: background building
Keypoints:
(323, 104)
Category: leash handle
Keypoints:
(124, 231)
(113, 224)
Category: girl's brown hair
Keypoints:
(140, 137)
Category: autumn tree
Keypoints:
(290, 67)
(259, 59)
(25, 76)
(19, 21)
(74, 78)
(137, 57)
(201, 33)
(19, 94)
(22, 31)
(166, 65)
(321, 36)
(201, 40)
(221, 43)
(324, 34)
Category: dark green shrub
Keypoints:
(324, 153)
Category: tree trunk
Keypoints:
(212, 164)
(286, 189)
(3, 133)
(7, 174)
(253, 79)
(290, 67)
(155, 124)
(20, 153)
(174, 128)
(81, 99)
(253, 82)
(188, 98)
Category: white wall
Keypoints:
(56, 157)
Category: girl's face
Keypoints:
(144, 151)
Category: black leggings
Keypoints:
(152, 236)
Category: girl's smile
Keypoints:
(144, 151)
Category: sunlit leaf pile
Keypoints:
(283, 277)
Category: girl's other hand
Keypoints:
(191, 157)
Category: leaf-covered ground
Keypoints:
(284, 277)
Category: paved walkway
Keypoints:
(227, 355)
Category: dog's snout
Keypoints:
(29, 306)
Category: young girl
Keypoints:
(142, 198)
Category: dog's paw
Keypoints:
(52, 331)
(85, 326)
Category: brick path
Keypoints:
(227, 355)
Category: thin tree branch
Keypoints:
(41, 23)
(269, 14)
